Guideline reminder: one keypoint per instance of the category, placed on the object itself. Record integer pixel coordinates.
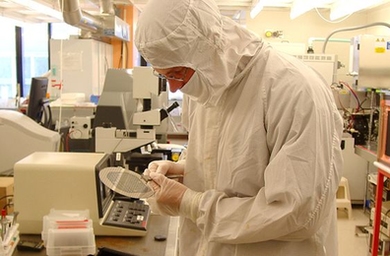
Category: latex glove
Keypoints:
(166, 167)
(173, 198)
(168, 195)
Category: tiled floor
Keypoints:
(349, 243)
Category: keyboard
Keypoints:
(129, 214)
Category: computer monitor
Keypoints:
(37, 103)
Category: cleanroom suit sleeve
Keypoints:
(300, 179)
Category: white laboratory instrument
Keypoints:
(70, 181)
(325, 64)
(21, 136)
(369, 61)
(354, 169)
(80, 127)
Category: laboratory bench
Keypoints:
(150, 245)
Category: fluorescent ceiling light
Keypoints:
(300, 7)
(343, 8)
(257, 9)
(40, 8)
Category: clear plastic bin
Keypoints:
(65, 219)
(68, 232)
(70, 242)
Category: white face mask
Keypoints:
(198, 89)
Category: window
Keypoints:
(63, 31)
(7, 64)
(20, 64)
(35, 53)
(33, 56)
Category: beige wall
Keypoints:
(380, 14)
(311, 24)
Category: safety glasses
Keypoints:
(171, 77)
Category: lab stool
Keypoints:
(343, 197)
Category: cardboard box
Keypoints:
(7, 193)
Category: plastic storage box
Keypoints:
(68, 233)
(70, 242)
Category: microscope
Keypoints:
(129, 110)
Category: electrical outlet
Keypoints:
(273, 33)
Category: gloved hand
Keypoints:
(166, 167)
(173, 198)
(168, 195)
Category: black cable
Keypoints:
(104, 251)
(127, 55)
(7, 205)
(48, 124)
(1, 198)
(45, 116)
(121, 56)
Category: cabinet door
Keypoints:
(354, 169)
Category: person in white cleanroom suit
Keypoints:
(263, 162)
